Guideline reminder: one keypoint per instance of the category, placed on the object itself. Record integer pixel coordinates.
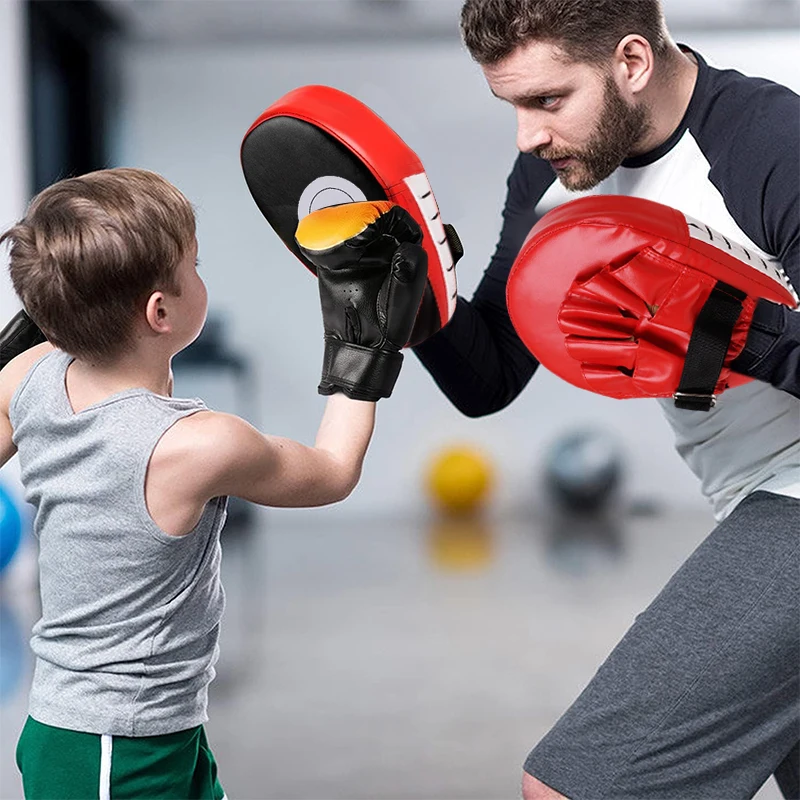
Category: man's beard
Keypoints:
(617, 132)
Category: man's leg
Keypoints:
(534, 789)
(788, 773)
(700, 698)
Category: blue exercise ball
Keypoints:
(10, 528)
(583, 470)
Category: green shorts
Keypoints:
(70, 765)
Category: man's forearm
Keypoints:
(477, 360)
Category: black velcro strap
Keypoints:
(453, 242)
(708, 347)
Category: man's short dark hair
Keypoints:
(586, 30)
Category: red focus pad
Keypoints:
(607, 290)
(317, 147)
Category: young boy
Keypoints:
(130, 485)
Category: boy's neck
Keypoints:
(128, 372)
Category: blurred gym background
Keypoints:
(416, 640)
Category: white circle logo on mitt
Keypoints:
(329, 190)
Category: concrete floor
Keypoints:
(400, 661)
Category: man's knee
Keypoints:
(534, 789)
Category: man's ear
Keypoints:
(633, 63)
(156, 313)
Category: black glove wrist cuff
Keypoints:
(362, 373)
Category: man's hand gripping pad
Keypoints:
(628, 298)
(317, 147)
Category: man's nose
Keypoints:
(531, 133)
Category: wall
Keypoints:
(13, 153)
(13, 196)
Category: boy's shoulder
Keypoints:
(209, 438)
(200, 449)
(15, 371)
(206, 429)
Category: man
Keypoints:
(700, 698)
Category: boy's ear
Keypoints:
(156, 313)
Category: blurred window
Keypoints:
(70, 81)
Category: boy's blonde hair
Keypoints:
(89, 252)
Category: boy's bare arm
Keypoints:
(7, 448)
(228, 456)
(10, 377)
(372, 274)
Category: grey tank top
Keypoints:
(128, 637)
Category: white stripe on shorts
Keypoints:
(106, 746)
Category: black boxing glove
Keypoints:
(372, 272)
(19, 335)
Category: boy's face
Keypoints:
(568, 112)
(193, 300)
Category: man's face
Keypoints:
(568, 112)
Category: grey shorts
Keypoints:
(701, 698)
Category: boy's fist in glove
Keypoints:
(372, 272)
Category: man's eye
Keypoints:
(547, 102)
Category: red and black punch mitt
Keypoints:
(630, 298)
(317, 147)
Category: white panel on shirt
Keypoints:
(751, 439)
